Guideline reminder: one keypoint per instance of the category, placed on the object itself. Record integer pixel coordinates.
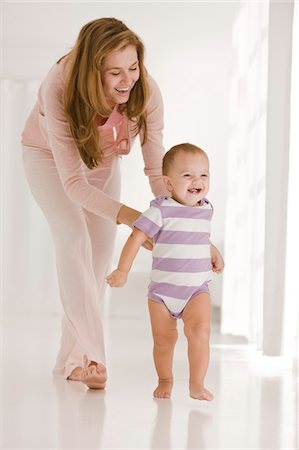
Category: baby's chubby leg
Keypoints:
(164, 330)
(197, 318)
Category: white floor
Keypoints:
(255, 404)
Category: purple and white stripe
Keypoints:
(181, 254)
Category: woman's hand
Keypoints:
(127, 216)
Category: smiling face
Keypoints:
(120, 73)
(188, 178)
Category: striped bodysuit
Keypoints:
(181, 256)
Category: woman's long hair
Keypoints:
(84, 97)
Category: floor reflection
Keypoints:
(161, 435)
(198, 427)
(278, 429)
(81, 415)
(165, 429)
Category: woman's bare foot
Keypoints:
(199, 392)
(94, 375)
(164, 388)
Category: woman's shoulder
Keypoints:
(63, 66)
(51, 83)
(56, 76)
(155, 97)
(153, 85)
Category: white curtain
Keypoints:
(245, 210)
(254, 304)
(291, 316)
(29, 278)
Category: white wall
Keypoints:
(278, 144)
(188, 53)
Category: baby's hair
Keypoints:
(169, 156)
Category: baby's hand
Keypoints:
(117, 278)
(217, 263)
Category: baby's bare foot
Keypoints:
(199, 392)
(164, 388)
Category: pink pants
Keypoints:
(83, 247)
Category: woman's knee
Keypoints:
(70, 237)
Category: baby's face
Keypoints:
(188, 179)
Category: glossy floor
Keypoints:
(255, 404)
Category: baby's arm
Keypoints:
(217, 260)
(119, 276)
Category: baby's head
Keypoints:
(186, 173)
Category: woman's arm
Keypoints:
(119, 276)
(153, 149)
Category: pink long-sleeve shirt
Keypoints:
(47, 128)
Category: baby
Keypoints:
(183, 262)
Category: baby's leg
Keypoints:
(165, 336)
(197, 317)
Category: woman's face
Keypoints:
(120, 72)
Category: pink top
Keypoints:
(47, 128)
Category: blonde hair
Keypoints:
(84, 97)
(169, 156)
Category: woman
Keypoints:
(90, 107)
